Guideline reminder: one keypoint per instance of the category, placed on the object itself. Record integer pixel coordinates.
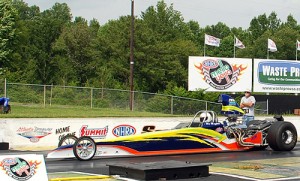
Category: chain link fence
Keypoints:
(48, 95)
(262, 107)
(2, 88)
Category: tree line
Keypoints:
(52, 47)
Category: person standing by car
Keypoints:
(247, 104)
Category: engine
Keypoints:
(252, 128)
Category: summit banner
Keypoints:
(281, 76)
(220, 74)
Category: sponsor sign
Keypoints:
(34, 134)
(123, 130)
(64, 131)
(19, 132)
(276, 76)
(93, 132)
(220, 74)
(22, 168)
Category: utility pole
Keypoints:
(131, 56)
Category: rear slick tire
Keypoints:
(282, 136)
(84, 148)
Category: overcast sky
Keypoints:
(234, 13)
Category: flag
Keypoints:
(298, 45)
(212, 41)
(238, 43)
(271, 46)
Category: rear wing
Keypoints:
(230, 107)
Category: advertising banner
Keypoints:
(220, 74)
(49, 133)
(23, 167)
(280, 76)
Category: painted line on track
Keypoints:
(288, 178)
(111, 176)
(80, 178)
(91, 176)
(234, 176)
(255, 179)
(85, 173)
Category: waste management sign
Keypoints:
(276, 76)
(220, 74)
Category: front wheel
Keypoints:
(67, 140)
(282, 136)
(84, 148)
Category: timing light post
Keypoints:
(131, 56)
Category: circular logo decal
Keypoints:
(123, 130)
(19, 168)
(220, 74)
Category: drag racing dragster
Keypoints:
(205, 133)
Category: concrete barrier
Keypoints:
(45, 133)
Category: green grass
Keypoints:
(35, 111)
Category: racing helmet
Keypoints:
(205, 117)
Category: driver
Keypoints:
(205, 117)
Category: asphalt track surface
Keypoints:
(99, 165)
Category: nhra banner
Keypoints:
(220, 74)
(276, 76)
